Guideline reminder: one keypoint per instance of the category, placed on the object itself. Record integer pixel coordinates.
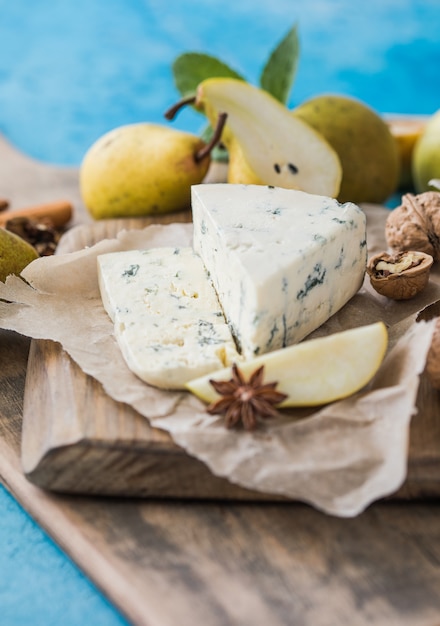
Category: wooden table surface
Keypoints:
(218, 563)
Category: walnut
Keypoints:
(415, 224)
(433, 359)
(401, 276)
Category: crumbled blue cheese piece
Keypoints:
(167, 318)
(282, 261)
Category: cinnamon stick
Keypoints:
(59, 212)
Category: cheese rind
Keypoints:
(167, 318)
(282, 261)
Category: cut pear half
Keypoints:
(279, 148)
(314, 372)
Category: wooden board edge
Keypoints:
(151, 466)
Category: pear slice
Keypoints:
(314, 372)
(239, 170)
(278, 148)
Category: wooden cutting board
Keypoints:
(76, 439)
(225, 562)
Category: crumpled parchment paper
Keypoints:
(339, 458)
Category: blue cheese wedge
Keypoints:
(282, 261)
(167, 318)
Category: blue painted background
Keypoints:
(70, 71)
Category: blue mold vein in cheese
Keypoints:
(167, 319)
(282, 261)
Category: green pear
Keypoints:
(426, 155)
(141, 169)
(15, 254)
(367, 150)
(266, 143)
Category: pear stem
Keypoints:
(207, 149)
(171, 113)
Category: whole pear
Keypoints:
(426, 155)
(361, 138)
(15, 254)
(141, 169)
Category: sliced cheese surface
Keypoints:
(282, 261)
(167, 318)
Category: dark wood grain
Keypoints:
(229, 563)
(14, 350)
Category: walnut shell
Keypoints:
(401, 276)
(433, 359)
(415, 224)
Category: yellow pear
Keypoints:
(15, 254)
(314, 372)
(426, 155)
(266, 143)
(366, 148)
(141, 169)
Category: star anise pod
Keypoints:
(243, 401)
(39, 233)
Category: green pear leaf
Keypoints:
(279, 72)
(191, 68)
